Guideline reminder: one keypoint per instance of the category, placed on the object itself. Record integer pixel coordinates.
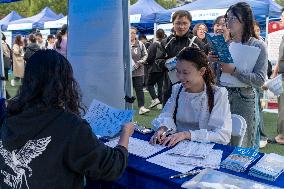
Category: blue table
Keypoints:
(145, 175)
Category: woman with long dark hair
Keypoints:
(18, 59)
(242, 94)
(43, 138)
(197, 109)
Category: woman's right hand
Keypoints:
(158, 136)
(128, 129)
(213, 57)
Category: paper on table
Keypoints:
(105, 120)
(193, 149)
(275, 85)
(244, 58)
(138, 147)
(212, 161)
(169, 161)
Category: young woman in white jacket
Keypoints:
(197, 109)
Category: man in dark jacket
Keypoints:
(172, 45)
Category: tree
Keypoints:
(280, 2)
(28, 8)
(167, 4)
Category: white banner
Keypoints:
(56, 24)
(210, 14)
(23, 26)
(135, 18)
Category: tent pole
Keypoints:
(126, 54)
(2, 82)
(266, 28)
(155, 29)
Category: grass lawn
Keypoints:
(269, 120)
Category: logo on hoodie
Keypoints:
(18, 161)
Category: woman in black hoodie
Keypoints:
(31, 48)
(44, 143)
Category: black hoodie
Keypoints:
(50, 148)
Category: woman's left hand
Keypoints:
(227, 68)
(173, 139)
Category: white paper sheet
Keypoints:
(169, 161)
(192, 149)
(212, 161)
(245, 58)
(275, 85)
(138, 147)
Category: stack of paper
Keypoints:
(240, 159)
(275, 85)
(192, 149)
(269, 167)
(187, 155)
(138, 147)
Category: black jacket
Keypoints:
(152, 51)
(52, 149)
(172, 45)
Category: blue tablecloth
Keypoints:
(144, 175)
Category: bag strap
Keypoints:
(176, 107)
(192, 41)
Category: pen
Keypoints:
(189, 173)
(167, 132)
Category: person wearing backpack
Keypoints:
(155, 72)
(139, 56)
(182, 37)
(7, 54)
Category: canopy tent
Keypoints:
(8, 1)
(9, 18)
(36, 21)
(213, 9)
(275, 10)
(143, 14)
(56, 24)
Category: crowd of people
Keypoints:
(237, 26)
(23, 48)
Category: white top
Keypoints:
(193, 115)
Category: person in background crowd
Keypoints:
(197, 109)
(219, 28)
(200, 30)
(144, 40)
(139, 56)
(279, 69)
(39, 40)
(61, 41)
(50, 42)
(172, 45)
(31, 48)
(55, 146)
(155, 72)
(7, 58)
(18, 60)
(243, 98)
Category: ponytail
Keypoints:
(208, 78)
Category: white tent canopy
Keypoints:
(56, 24)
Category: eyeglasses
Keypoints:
(203, 30)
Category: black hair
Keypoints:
(59, 35)
(200, 60)
(48, 82)
(182, 13)
(3, 37)
(32, 38)
(160, 33)
(218, 19)
(142, 36)
(38, 34)
(242, 11)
